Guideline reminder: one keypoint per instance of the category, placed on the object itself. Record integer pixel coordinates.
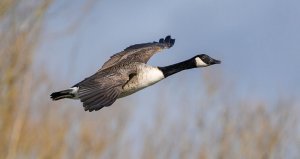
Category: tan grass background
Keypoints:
(30, 127)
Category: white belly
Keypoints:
(145, 77)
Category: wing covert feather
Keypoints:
(139, 52)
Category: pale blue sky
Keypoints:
(257, 41)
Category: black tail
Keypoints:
(62, 94)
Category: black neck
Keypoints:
(172, 69)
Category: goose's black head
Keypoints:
(204, 60)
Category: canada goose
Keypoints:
(127, 72)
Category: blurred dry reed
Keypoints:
(32, 127)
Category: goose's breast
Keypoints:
(144, 78)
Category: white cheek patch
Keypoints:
(200, 63)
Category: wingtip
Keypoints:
(88, 109)
(161, 40)
(168, 40)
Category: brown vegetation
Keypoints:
(31, 126)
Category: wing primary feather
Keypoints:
(95, 96)
(97, 99)
(161, 40)
(167, 41)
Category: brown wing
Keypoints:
(102, 89)
(139, 52)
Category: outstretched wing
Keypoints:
(139, 52)
(101, 89)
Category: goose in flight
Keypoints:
(126, 73)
